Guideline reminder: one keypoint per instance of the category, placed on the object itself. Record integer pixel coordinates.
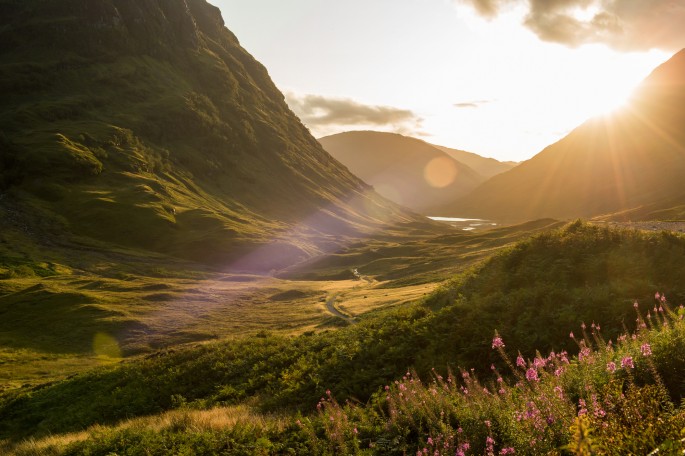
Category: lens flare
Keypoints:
(440, 172)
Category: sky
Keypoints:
(501, 78)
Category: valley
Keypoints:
(185, 269)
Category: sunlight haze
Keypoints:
(436, 70)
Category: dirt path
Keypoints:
(364, 281)
(330, 306)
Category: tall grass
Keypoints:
(615, 397)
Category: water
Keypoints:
(466, 224)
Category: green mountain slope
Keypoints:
(406, 170)
(146, 124)
(534, 293)
(486, 167)
(635, 157)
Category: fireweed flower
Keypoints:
(497, 342)
(627, 363)
(611, 367)
(559, 391)
(520, 362)
(532, 375)
(646, 349)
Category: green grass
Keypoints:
(177, 144)
(571, 405)
(579, 273)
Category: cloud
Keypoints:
(321, 113)
(625, 25)
(471, 104)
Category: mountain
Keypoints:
(144, 123)
(406, 170)
(633, 158)
(486, 167)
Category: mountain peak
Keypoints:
(144, 123)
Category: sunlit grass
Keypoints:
(185, 420)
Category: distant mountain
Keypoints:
(633, 158)
(486, 167)
(406, 170)
(144, 123)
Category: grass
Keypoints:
(618, 396)
(59, 292)
(447, 329)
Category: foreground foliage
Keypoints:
(588, 270)
(615, 397)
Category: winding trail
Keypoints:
(330, 302)
(330, 306)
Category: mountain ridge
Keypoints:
(146, 124)
(611, 163)
(406, 170)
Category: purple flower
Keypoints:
(646, 349)
(532, 375)
(520, 362)
(497, 342)
(508, 450)
(627, 363)
(559, 391)
(611, 367)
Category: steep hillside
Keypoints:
(534, 293)
(635, 157)
(146, 124)
(486, 167)
(408, 171)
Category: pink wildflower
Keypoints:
(657, 296)
(627, 363)
(508, 450)
(520, 362)
(582, 407)
(430, 441)
(611, 367)
(532, 375)
(571, 335)
(559, 391)
(635, 304)
(497, 342)
(646, 349)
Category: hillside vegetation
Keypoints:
(581, 273)
(146, 124)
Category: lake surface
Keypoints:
(466, 224)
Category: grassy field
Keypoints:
(490, 324)
(80, 304)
